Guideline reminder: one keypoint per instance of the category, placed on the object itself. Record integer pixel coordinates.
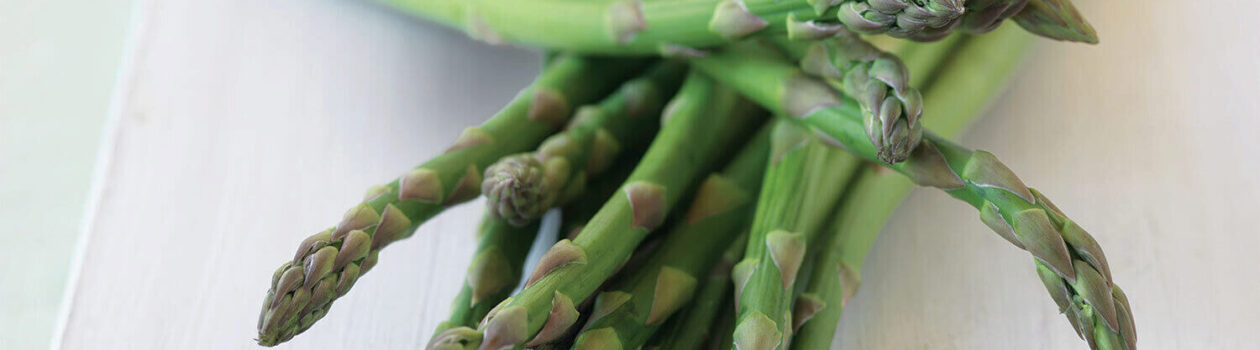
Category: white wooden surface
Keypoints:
(247, 125)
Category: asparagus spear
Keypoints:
(641, 301)
(686, 146)
(879, 81)
(691, 328)
(520, 188)
(1068, 259)
(875, 194)
(328, 263)
(803, 181)
(645, 27)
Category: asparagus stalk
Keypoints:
(521, 188)
(879, 81)
(691, 328)
(1068, 259)
(803, 181)
(641, 301)
(571, 271)
(875, 194)
(646, 27)
(328, 263)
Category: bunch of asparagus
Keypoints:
(722, 167)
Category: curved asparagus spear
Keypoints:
(521, 188)
(648, 27)
(1068, 259)
(875, 194)
(328, 263)
(692, 327)
(878, 80)
(641, 301)
(571, 270)
(803, 181)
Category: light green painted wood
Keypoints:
(58, 63)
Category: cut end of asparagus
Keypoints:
(514, 189)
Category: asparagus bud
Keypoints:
(918, 20)
(1056, 19)
(878, 81)
(516, 189)
(523, 187)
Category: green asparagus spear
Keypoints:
(875, 193)
(645, 27)
(328, 263)
(520, 188)
(1068, 259)
(570, 271)
(641, 301)
(692, 327)
(803, 181)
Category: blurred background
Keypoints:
(159, 158)
(60, 62)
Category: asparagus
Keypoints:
(641, 301)
(803, 181)
(875, 194)
(645, 27)
(521, 188)
(1069, 260)
(691, 327)
(571, 270)
(879, 81)
(328, 263)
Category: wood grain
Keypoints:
(248, 125)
